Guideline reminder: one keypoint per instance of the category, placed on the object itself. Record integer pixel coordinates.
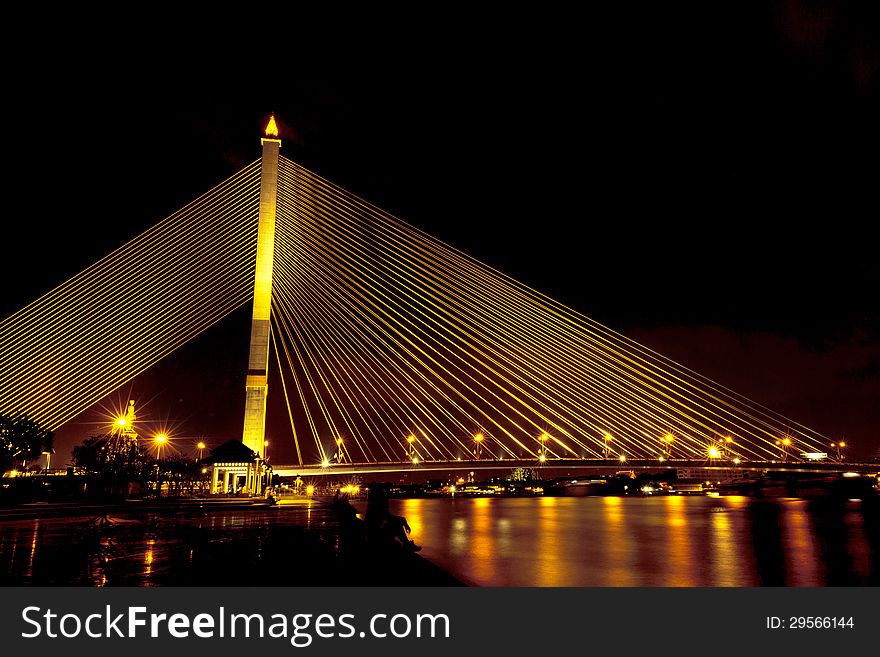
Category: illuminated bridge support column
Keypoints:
(256, 386)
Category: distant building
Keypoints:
(709, 474)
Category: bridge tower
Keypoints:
(256, 386)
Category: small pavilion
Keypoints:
(237, 469)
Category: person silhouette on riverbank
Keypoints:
(383, 527)
(352, 537)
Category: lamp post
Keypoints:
(411, 450)
(667, 445)
(48, 455)
(542, 454)
(160, 441)
(783, 443)
(478, 446)
(606, 449)
(339, 455)
(727, 444)
(201, 447)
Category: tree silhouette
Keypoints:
(21, 439)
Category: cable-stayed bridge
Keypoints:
(394, 349)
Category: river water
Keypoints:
(648, 541)
(541, 541)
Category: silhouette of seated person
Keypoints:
(351, 528)
(385, 529)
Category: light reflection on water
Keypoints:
(654, 541)
(291, 546)
(544, 541)
(802, 557)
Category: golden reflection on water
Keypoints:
(458, 537)
(148, 558)
(799, 548)
(551, 569)
(412, 511)
(679, 548)
(504, 540)
(618, 547)
(725, 558)
(743, 569)
(482, 540)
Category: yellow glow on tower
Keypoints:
(256, 385)
(272, 127)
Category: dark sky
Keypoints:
(705, 182)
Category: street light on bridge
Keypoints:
(542, 453)
(478, 445)
(606, 448)
(667, 444)
(201, 447)
(784, 443)
(411, 439)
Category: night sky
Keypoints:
(705, 183)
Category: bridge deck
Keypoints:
(571, 464)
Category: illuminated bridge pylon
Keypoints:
(391, 346)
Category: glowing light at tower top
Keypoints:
(272, 127)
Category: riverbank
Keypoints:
(185, 544)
